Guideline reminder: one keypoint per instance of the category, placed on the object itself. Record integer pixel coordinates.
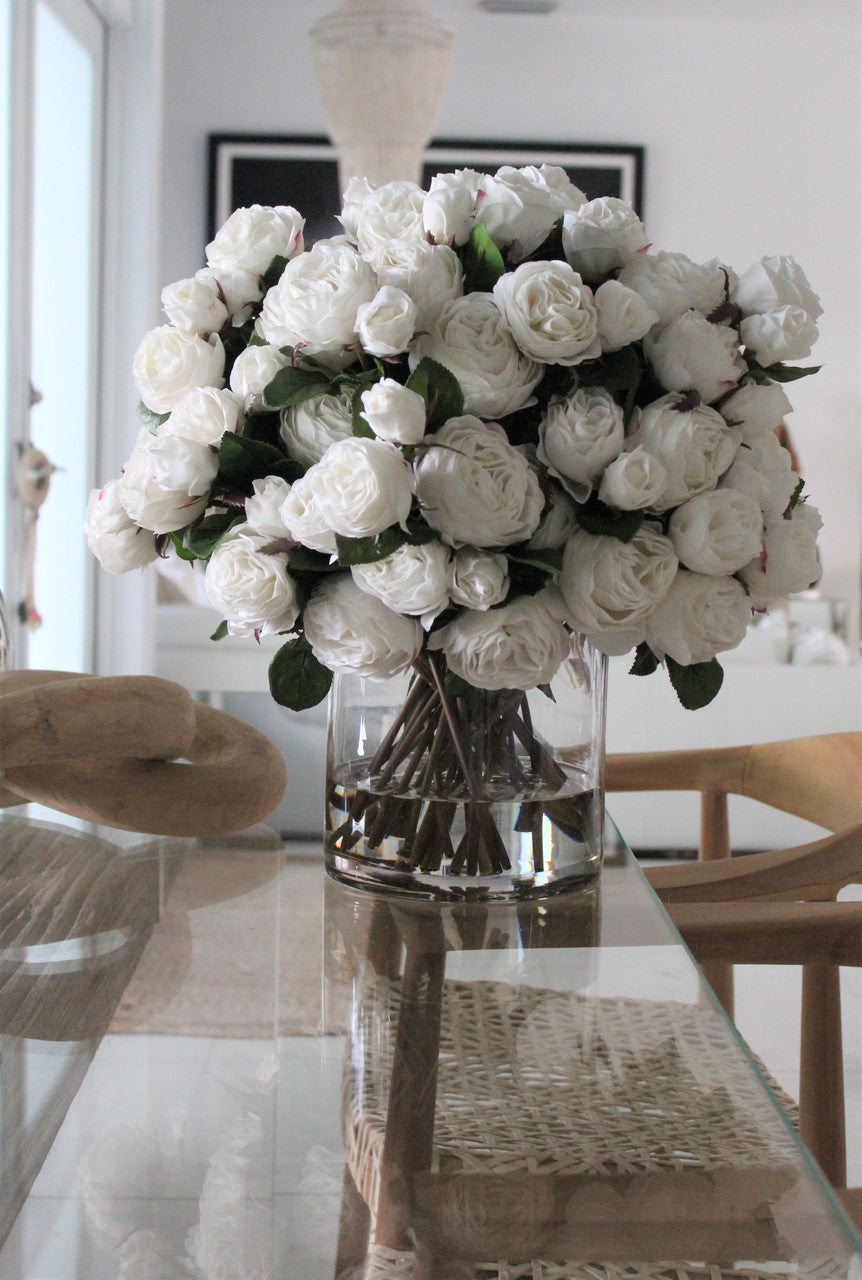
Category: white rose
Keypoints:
(116, 541)
(242, 290)
(609, 585)
(253, 371)
(308, 429)
(624, 316)
(251, 590)
(550, 312)
(449, 208)
(474, 342)
(412, 580)
(169, 362)
(385, 324)
(431, 274)
(670, 283)
(693, 354)
(306, 519)
(355, 194)
(695, 446)
(195, 305)
(350, 631)
(314, 304)
(263, 508)
(763, 470)
(699, 617)
(601, 236)
(520, 206)
(773, 283)
(477, 580)
(204, 414)
(394, 412)
(633, 481)
(166, 482)
(788, 333)
(363, 486)
(390, 212)
(475, 488)
(252, 237)
(579, 436)
(518, 646)
(718, 532)
(788, 559)
(756, 409)
(558, 522)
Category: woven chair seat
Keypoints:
(393, 1264)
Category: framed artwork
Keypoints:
(247, 168)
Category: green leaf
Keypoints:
(645, 662)
(440, 390)
(262, 426)
(550, 561)
(201, 538)
(695, 685)
(620, 372)
(604, 521)
(778, 372)
(296, 678)
(369, 550)
(182, 551)
(149, 417)
(242, 460)
(482, 261)
(293, 385)
(273, 273)
(551, 248)
(360, 424)
(796, 495)
(547, 691)
(220, 632)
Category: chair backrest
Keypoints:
(818, 778)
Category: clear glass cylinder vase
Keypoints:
(440, 789)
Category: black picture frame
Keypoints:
(302, 170)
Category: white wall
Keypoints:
(750, 113)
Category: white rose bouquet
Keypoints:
(484, 418)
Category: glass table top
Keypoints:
(217, 1063)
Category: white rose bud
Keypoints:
(166, 482)
(693, 354)
(242, 290)
(252, 237)
(412, 580)
(195, 305)
(609, 585)
(474, 342)
(773, 283)
(579, 436)
(477, 580)
(718, 532)
(308, 429)
(314, 304)
(624, 316)
(788, 333)
(363, 486)
(601, 236)
(355, 194)
(475, 488)
(763, 470)
(670, 283)
(695, 446)
(390, 212)
(756, 409)
(633, 481)
(394, 412)
(788, 559)
(350, 631)
(306, 519)
(550, 312)
(699, 617)
(431, 274)
(117, 543)
(449, 209)
(385, 324)
(169, 362)
(263, 508)
(253, 371)
(204, 414)
(520, 206)
(558, 522)
(251, 590)
(518, 646)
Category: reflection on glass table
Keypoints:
(217, 1063)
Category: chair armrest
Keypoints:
(707, 769)
(772, 932)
